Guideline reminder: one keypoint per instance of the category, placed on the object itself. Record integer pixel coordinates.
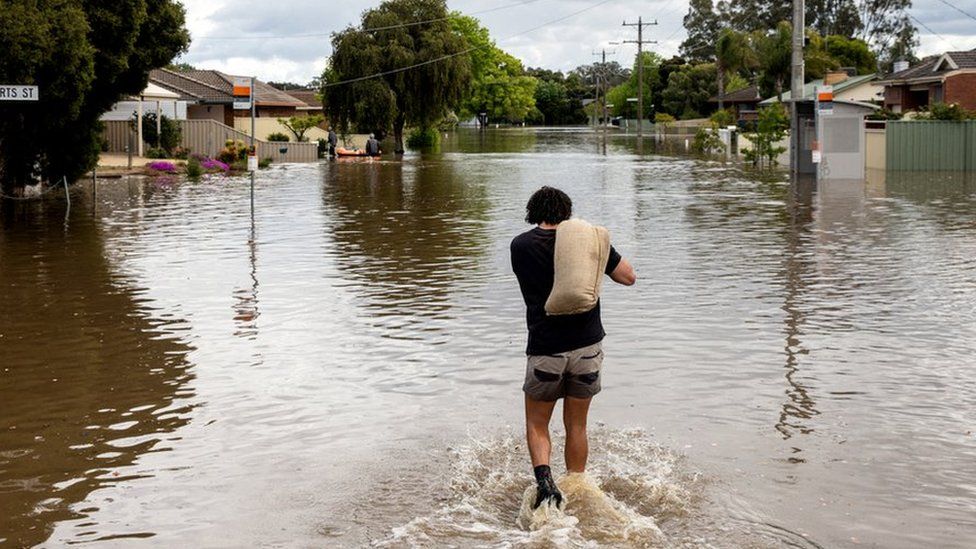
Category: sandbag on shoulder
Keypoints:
(582, 252)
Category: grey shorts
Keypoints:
(573, 373)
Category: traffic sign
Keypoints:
(18, 92)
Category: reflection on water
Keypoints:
(406, 237)
(793, 368)
(91, 379)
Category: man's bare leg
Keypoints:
(537, 416)
(577, 447)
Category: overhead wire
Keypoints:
(465, 51)
(960, 10)
(371, 29)
(926, 27)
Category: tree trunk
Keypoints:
(398, 124)
(721, 86)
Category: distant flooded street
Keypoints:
(794, 367)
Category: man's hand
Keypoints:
(624, 273)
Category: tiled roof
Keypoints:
(809, 89)
(210, 86)
(265, 95)
(745, 95)
(309, 97)
(189, 87)
(925, 68)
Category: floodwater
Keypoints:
(794, 368)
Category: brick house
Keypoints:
(946, 78)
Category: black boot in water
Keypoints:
(547, 492)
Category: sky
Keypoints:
(289, 40)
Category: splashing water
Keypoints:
(632, 486)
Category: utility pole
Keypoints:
(604, 87)
(796, 84)
(640, 24)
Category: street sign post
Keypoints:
(242, 94)
(18, 92)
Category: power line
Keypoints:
(926, 27)
(960, 10)
(465, 51)
(371, 29)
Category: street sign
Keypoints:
(242, 105)
(242, 87)
(18, 92)
(825, 99)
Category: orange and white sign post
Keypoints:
(244, 99)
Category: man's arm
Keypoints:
(624, 273)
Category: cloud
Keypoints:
(291, 40)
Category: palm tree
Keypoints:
(733, 52)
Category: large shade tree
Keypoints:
(387, 73)
(84, 56)
(500, 88)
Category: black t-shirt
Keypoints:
(532, 261)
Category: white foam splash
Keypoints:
(632, 484)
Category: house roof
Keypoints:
(210, 86)
(309, 97)
(934, 67)
(188, 87)
(745, 95)
(809, 89)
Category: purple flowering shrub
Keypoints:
(162, 166)
(212, 165)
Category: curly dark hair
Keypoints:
(548, 205)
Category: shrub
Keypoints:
(155, 152)
(423, 138)
(212, 165)
(770, 129)
(233, 151)
(723, 118)
(706, 141)
(884, 114)
(943, 111)
(170, 132)
(180, 153)
(193, 168)
(278, 136)
(323, 147)
(664, 120)
(264, 162)
(162, 166)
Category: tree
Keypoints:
(770, 130)
(619, 95)
(181, 67)
(284, 86)
(386, 75)
(84, 57)
(702, 24)
(559, 98)
(852, 52)
(733, 52)
(499, 86)
(775, 63)
(887, 27)
(838, 17)
(299, 125)
(689, 90)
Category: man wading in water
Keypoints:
(564, 352)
